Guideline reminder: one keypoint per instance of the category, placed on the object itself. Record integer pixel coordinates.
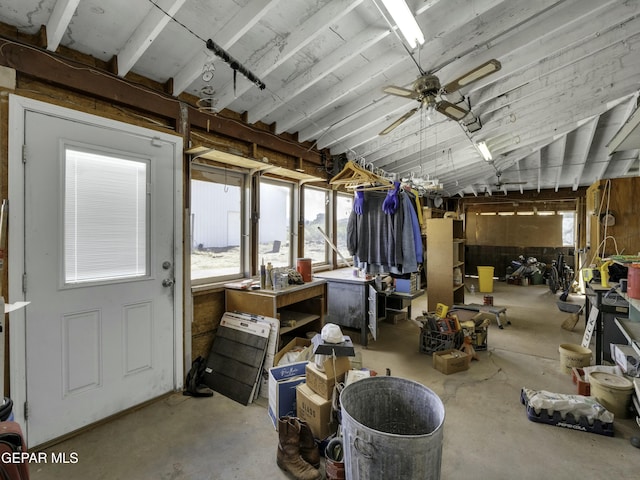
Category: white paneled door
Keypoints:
(99, 270)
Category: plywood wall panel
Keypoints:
(514, 230)
(619, 196)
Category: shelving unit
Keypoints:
(445, 253)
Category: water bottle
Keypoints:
(457, 277)
(472, 288)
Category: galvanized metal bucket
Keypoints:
(392, 428)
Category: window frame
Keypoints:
(328, 228)
(244, 185)
(294, 206)
(334, 222)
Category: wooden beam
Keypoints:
(235, 129)
(52, 68)
(49, 67)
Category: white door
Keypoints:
(99, 266)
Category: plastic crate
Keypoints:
(569, 421)
(434, 341)
(409, 285)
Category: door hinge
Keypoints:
(24, 283)
(26, 410)
(24, 154)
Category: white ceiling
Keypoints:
(569, 80)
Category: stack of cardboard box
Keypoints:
(314, 397)
(282, 382)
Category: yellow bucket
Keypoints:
(485, 279)
(573, 356)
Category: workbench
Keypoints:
(354, 302)
(299, 307)
(607, 309)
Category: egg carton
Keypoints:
(566, 419)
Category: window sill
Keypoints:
(203, 288)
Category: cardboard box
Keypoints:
(627, 359)
(451, 361)
(316, 411)
(322, 383)
(343, 349)
(395, 317)
(578, 377)
(296, 342)
(282, 390)
(264, 380)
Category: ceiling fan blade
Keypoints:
(450, 110)
(500, 184)
(401, 92)
(476, 74)
(398, 121)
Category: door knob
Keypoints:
(168, 282)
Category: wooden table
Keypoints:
(296, 306)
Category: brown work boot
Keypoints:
(288, 456)
(308, 449)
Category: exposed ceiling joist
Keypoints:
(59, 21)
(567, 84)
(146, 33)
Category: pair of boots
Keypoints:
(298, 453)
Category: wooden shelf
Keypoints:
(300, 318)
(445, 253)
(304, 304)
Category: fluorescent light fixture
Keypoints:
(484, 151)
(405, 21)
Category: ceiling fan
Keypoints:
(430, 94)
(499, 183)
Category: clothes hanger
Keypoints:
(355, 176)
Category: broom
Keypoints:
(571, 322)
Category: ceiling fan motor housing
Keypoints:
(427, 85)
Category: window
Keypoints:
(106, 235)
(568, 228)
(275, 228)
(344, 205)
(217, 246)
(316, 203)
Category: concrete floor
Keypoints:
(486, 434)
